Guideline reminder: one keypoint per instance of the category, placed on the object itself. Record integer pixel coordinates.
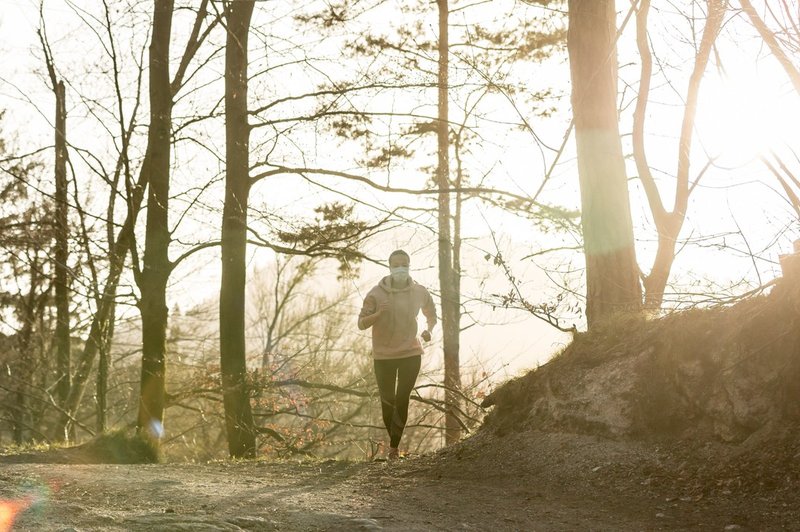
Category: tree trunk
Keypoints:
(233, 363)
(25, 362)
(62, 332)
(103, 367)
(156, 270)
(612, 274)
(447, 281)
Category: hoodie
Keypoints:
(394, 335)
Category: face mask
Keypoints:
(399, 275)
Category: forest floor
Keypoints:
(523, 481)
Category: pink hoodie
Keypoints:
(394, 335)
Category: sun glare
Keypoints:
(10, 510)
(741, 117)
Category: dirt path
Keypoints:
(328, 496)
(569, 483)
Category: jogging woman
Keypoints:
(391, 309)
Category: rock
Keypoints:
(250, 522)
(366, 524)
(180, 523)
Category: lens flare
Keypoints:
(10, 510)
(156, 428)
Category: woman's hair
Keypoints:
(399, 252)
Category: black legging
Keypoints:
(396, 379)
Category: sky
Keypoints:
(746, 108)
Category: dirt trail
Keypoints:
(526, 481)
(328, 496)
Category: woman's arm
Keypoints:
(369, 314)
(429, 311)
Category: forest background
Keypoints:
(345, 165)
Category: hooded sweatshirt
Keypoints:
(394, 335)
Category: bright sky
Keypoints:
(747, 108)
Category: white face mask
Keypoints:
(399, 275)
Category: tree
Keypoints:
(156, 270)
(99, 334)
(450, 296)
(27, 233)
(783, 46)
(125, 82)
(612, 274)
(669, 223)
(406, 61)
(61, 252)
(315, 378)
(783, 42)
(233, 362)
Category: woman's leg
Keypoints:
(386, 375)
(407, 372)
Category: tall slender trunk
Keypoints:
(233, 364)
(63, 429)
(157, 266)
(612, 274)
(24, 366)
(447, 281)
(62, 333)
(103, 369)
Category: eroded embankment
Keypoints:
(722, 374)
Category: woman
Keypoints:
(391, 309)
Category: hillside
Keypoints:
(723, 374)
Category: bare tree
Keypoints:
(782, 48)
(157, 236)
(121, 233)
(450, 297)
(669, 223)
(61, 255)
(98, 337)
